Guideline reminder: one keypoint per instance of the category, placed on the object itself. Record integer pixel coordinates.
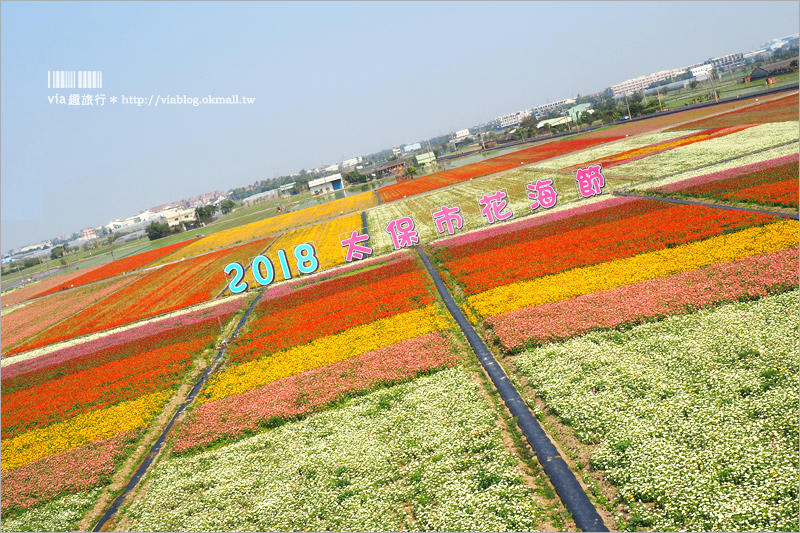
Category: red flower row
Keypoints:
(115, 268)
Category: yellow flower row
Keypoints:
(275, 224)
(325, 350)
(81, 429)
(324, 236)
(576, 282)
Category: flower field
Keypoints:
(115, 268)
(276, 224)
(688, 177)
(604, 150)
(162, 290)
(424, 455)
(26, 293)
(660, 339)
(466, 196)
(635, 154)
(619, 232)
(743, 279)
(781, 109)
(38, 316)
(683, 119)
(681, 159)
(774, 182)
(346, 317)
(695, 416)
(482, 168)
(69, 422)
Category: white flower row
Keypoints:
(62, 514)
(773, 153)
(696, 415)
(711, 151)
(425, 455)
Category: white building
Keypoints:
(513, 119)
(326, 184)
(701, 70)
(331, 168)
(350, 163)
(178, 216)
(643, 82)
(412, 147)
(461, 134)
(397, 151)
(546, 109)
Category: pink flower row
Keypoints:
(727, 174)
(530, 222)
(74, 470)
(146, 330)
(754, 276)
(313, 390)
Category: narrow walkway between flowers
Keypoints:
(140, 472)
(569, 490)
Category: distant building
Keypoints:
(350, 163)
(389, 168)
(290, 189)
(701, 70)
(728, 61)
(89, 234)
(554, 122)
(768, 71)
(575, 112)
(261, 197)
(643, 82)
(412, 147)
(179, 216)
(461, 134)
(428, 158)
(513, 119)
(397, 151)
(546, 109)
(326, 184)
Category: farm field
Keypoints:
(71, 418)
(655, 343)
(160, 291)
(466, 197)
(780, 109)
(538, 152)
(275, 224)
(771, 183)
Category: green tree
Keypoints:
(410, 171)
(203, 214)
(355, 177)
(793, 65)
(56, 253)
(157, 230)
(227, 206)
(693, 84)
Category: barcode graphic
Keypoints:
(71, 79)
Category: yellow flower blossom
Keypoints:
(87, 427)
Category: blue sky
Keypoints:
(330, 80)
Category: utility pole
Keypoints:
(628, 106)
